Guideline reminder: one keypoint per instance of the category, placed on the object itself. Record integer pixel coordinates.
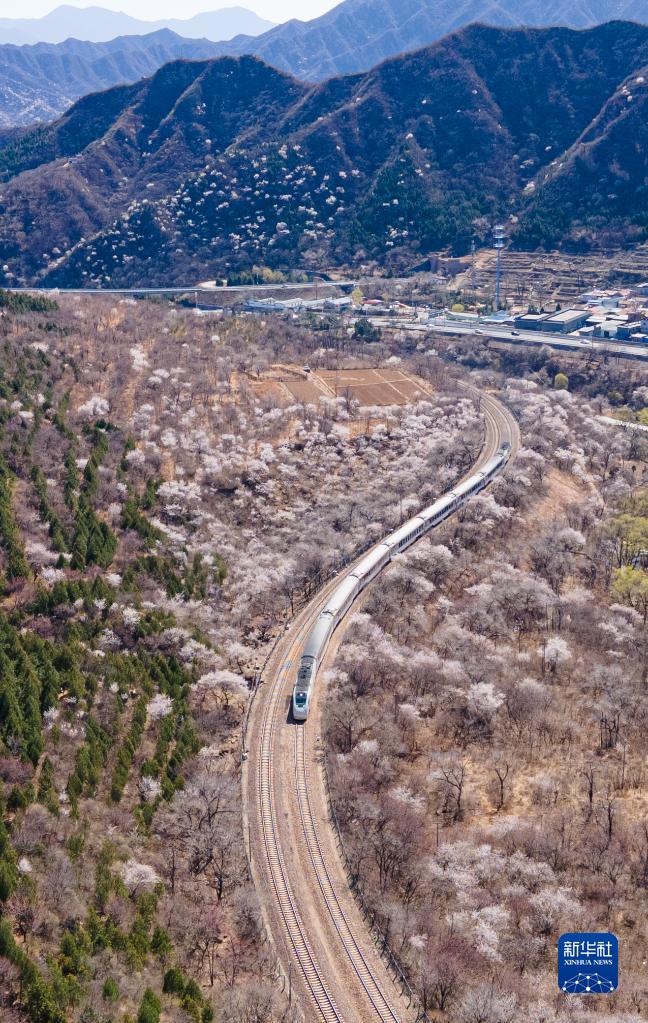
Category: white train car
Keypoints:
(369, 567)
(312, 654)
(343, 597)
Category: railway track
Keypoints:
(353, 950)
(304, 955)
(323, 945)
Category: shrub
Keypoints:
(150, 1008)
(174, 982)
(110, 990)
(192, 990)
(161, 943)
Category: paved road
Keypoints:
(194, 289)
(505, 334)
(321, 940)
(511, 336)
(609, 421)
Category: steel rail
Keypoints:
(499, 426)
(338, 916)
(283, 894)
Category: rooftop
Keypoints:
(565, 315)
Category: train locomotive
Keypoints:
(368, 568)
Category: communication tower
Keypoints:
(498, 235)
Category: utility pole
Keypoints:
(473, 269)
(498, 235)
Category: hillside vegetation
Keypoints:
(39, 82)
(486, 718)
(213, 166)
(161, 516)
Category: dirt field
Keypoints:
(310, 390)
(562, 490)
(374, 386)
(371, 387)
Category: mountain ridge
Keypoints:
(39, 82)
(353, 37)
(358, 34)
(98, 24)
(214, 165)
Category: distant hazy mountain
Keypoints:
(358, 34)
(37, 83)
(40, 82)
(354, 36)
(220, 164)
(96, 24)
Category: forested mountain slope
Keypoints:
(38, 83)
(357, 34)
(224, 163)
(600, 184)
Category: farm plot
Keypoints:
(374, 386)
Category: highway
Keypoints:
(328, 958)
(509, 335)
(193, 289)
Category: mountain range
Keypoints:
(98, 25)
(40, 82)
(221, 164)
(358, 34)
(37, 83)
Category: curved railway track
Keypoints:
(309, 967)
(353, 950)
(327, 955)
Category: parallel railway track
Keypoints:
(284, 896)
(313, 921)
(382, 1007)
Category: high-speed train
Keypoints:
(355, 581)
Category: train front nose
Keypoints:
(300, 706)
